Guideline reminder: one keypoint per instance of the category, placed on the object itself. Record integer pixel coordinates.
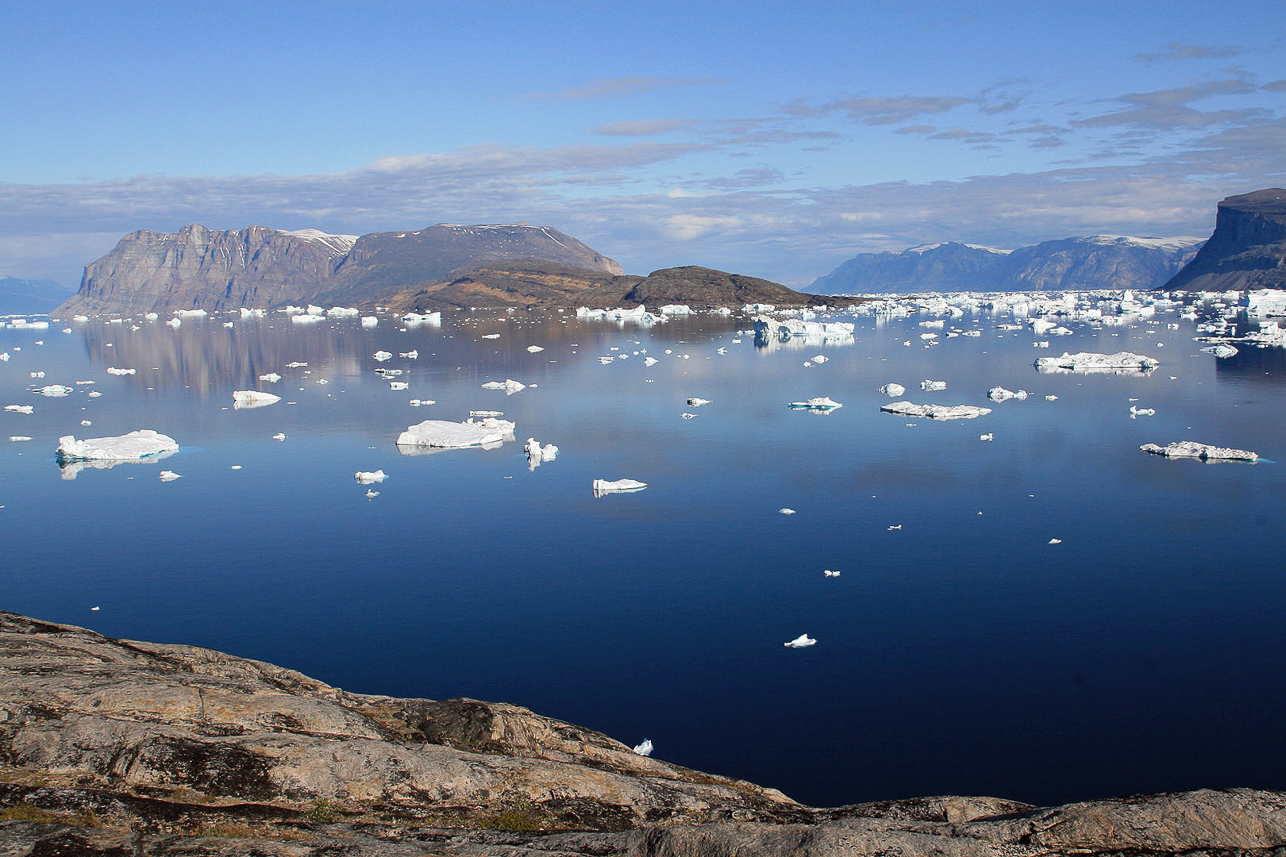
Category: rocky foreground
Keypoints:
(116, 747)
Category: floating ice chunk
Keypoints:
(688, 416)
(987, 437)
(399, 385)
(370, 321)
(279, 436)
(36, 374)
(536, 454)
(4, 356)
(371, 493)
(893, 390)
(409, 355)
(192, 313)
(18, 438)
(295, 364)
(1201, 451)
(1055, 541)
(802, 641)
(246, 312)
(618, 486)
(443, 434)
(605, 359)
(1000, 394)
(1051, 398)
(112, 370)
(820, 358)
(509, 385)
(168, 476)
(820, 403)
(932, 386)
(414, 318)
(490, 336)
(697, 402)
(534, 349)
(676, 309)
(1223, 349)
(381, 356)
(243, 399)
(175, 322)
(644, 749)
(369, 477)
(892, 527)
(785, 511)
(486, 413)
(20, 409)
(827, 572)
(54, 391)
(935, 412)
(305, 318)
(1088, 361)
(271, 377)
(650, 361)
(415, 403)
(1141, 412)
(143, 443)
(87, 422)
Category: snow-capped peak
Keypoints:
(338, 244)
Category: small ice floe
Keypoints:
(486, 413)
(606, 359)
(281, 435)
(688, 416)
(490, 336)
(413, 354)
(696, 402)
(820, 403)
(235, 467)
(1051, 398)
(932, 386)
(444, 434)
(800, 642)
(143, 443)
(95, 609)
(20, 409)
(18, 438)
(893, 390)
(54, 391)
(381, 356)
(935, 412)
(785, 511)
(1088, 361)
(93, 394)
(371, 493)
(1141, 412)
(618, 486)
(644, 749)
(271, 377)
(1223, 349)
(537, 454)
(175, 322)
(295, 364)
(892, 527)
(1200, 451)
(509, 385)
(38, 373)
(820, 358)
(112, 370)
(1055, 541)
(413, 318)
(1000, 394)
(650, 361)
(87, 422)
(169, 476)
(370, 321)
(829, 573)
(399, 385)
(987, 437)
(243, 399)
(534, 349)
(369, 477)
(415, 403)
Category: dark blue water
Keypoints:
(959, 654)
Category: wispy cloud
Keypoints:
(641, 127)
(1180, 51)
(617, 87)
(877, 111)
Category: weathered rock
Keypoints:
(113, 748)
(1247, 249)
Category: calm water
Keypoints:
(962, 653)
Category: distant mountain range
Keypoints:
(1094, 262)
(23, 297)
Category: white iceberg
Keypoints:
(1223, 349)
(820, 403)
(1141, 412)
(893, 390)
(381, 356)
(112, 370)
(399, 385)
(1000, 394)
(444, 434)
(369, 477)
(1088, 361)
(54, 391)
(414, 318)
(242, 399)
(644, 749)
(697, 402)
(935, 412)
(933, 386)
(534, 349)
(536, 454)
(409, 355)
(18, 438)
(169, 476)
(802, 641)
(20, 409)
(509, 385)
(271, 377)
(1201, 451)
(144, 443)
(618, 486)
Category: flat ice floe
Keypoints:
(1088, 361)
(509, 385)
(893, 390)
(1000, 394)
(820, 403)
(242, 399)
(144, 443)
(935, 412)
(1223, 349)
(617, 486)
(444, 434)
(1201, 451)
(369, 477)
(800, 642)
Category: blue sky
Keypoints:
(771, 139)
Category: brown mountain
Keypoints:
(1247, 249)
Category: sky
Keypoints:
(769, 139)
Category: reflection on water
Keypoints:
(72, 469)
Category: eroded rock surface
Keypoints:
(116, 747)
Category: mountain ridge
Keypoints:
(1247, 250)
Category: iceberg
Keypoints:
(112, 370)
(1201, 451)
(20, 409)
(933, 386)
(444, 434)
(802, 641)
(1223, 349)
(414, 318)
(409, 355)
(54, 391)
(618, 486)
(893, 390)
(935, 412)
(369, 477)
(820, 403)
(271, 377)
(534, 349)
(144, 443)
(509, 385)
(169, 476)
(242, 399)
(697, 402)
(1000, 394)
(1088, 361)
(537, 454)
(381, 356)
(644, 749)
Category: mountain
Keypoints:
(24, 297)
(1248, 247)
(200, 268)
(1093, 262)
(706, 287)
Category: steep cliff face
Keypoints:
(200, 268)
(1247, 249)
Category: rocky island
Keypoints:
(122, 748)
(1247, 250)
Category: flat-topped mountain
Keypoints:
(1093, 262)
(111, 748)
(1248, 247)
(200, 268)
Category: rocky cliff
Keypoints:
(1247, 249)
(123, 748)
(199, 268)
(1093, 262)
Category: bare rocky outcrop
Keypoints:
(1247, 250)
(122, 748)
